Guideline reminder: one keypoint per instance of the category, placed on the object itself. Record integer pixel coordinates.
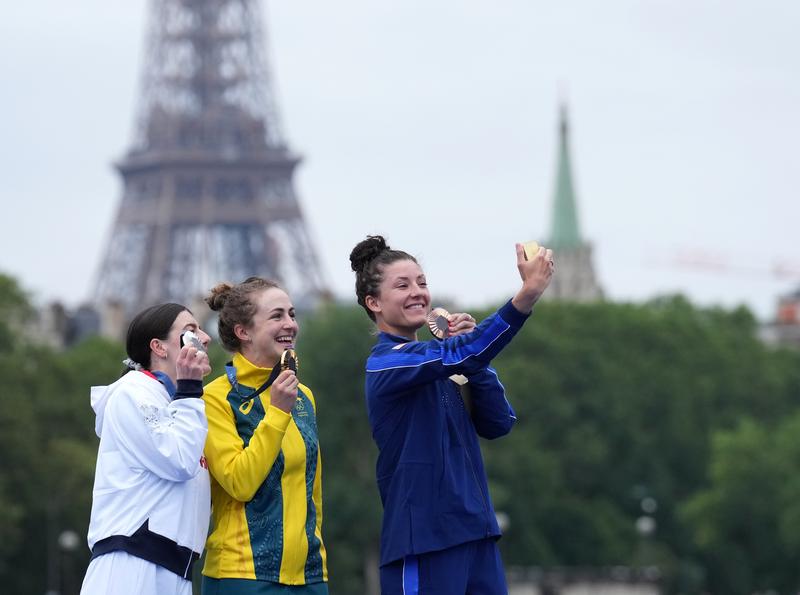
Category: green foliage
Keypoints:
(615, 403)
(332, 348)
(47, 438)
(14, 302)
(15, 310)
(47, 435)
(747, 521)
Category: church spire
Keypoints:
(564, 230)
(575, 279)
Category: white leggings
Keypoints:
(122, 574)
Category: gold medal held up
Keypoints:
(438, 322)
(289, 361)
(531, 249)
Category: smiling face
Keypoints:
(272, 330)
(402, 305)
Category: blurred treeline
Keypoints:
(617, 404)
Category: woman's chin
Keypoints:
(415, 323)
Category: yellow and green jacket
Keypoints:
(266, 484)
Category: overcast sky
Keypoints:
(435, 124)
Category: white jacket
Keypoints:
(150, 464)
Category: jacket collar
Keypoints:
(249, 374)
(167, 382)
(384, 337)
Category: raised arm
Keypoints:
(395, 369)
(240, 469)
(536, 274)
(406, 365)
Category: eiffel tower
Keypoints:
(208, 194)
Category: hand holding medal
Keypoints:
(442, 324)
(283, 393)
(192, 363)
(536, 267)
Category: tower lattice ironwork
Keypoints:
(208, 191)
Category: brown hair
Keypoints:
(368, 259)
(235, 306)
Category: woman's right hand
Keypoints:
(536, 274)
(192, 364)
(460, 323)
(283, 391)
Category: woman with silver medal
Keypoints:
(150, 504)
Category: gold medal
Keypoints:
(438, 322)
(289, 361)
(531, 249)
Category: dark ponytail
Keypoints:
(151, 323)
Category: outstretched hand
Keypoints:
(536, 274)
(192, 364)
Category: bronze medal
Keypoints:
(438, 322)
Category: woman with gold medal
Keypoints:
(262, 452)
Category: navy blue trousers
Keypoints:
(472, 568)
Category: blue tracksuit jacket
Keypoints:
(430, 471)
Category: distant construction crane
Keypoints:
(788, 312)
(704, 261)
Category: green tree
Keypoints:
(619, 401)
(48, 440)
(616, 403)
(16, 422)
(746, 523)
(333, 347)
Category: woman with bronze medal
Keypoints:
(439, 527)
(262, 453)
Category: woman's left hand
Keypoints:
(192, 364)
(460, 323)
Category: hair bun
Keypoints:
(218, 296)
(365, 251)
